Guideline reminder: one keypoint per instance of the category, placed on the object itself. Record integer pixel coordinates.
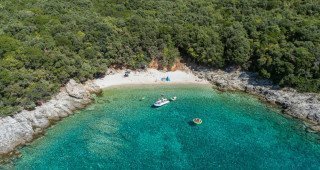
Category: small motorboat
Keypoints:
(197, 121)
(142, 98)
(161, 102)
(173, 98)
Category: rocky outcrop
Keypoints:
(76, 90)
(305, 106)
(24, 126)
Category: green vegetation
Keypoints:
(45, 43)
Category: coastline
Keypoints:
(21, 128)
(304, 106)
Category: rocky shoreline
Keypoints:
(23, 127)
(305, 106)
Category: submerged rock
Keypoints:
(24, 126)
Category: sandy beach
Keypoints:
(149, 76)
(23, 127)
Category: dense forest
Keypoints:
(44, 43)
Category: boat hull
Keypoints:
(160, 104)
(197, 121)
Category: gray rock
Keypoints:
(92, 87)
(76, 90)
(22, 127)
(12, 134)
(300, 105)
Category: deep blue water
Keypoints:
(120, 131)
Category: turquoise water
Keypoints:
(121, 132)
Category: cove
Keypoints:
(121, 131)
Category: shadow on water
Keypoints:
(153, 106)
(191, 123)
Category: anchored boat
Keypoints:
(142, 98)
(161, 102)
(197, 121)
(173, 98)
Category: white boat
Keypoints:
(173, 98)
(197, 121)
(161, 102)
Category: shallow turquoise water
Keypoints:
(122, 132)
